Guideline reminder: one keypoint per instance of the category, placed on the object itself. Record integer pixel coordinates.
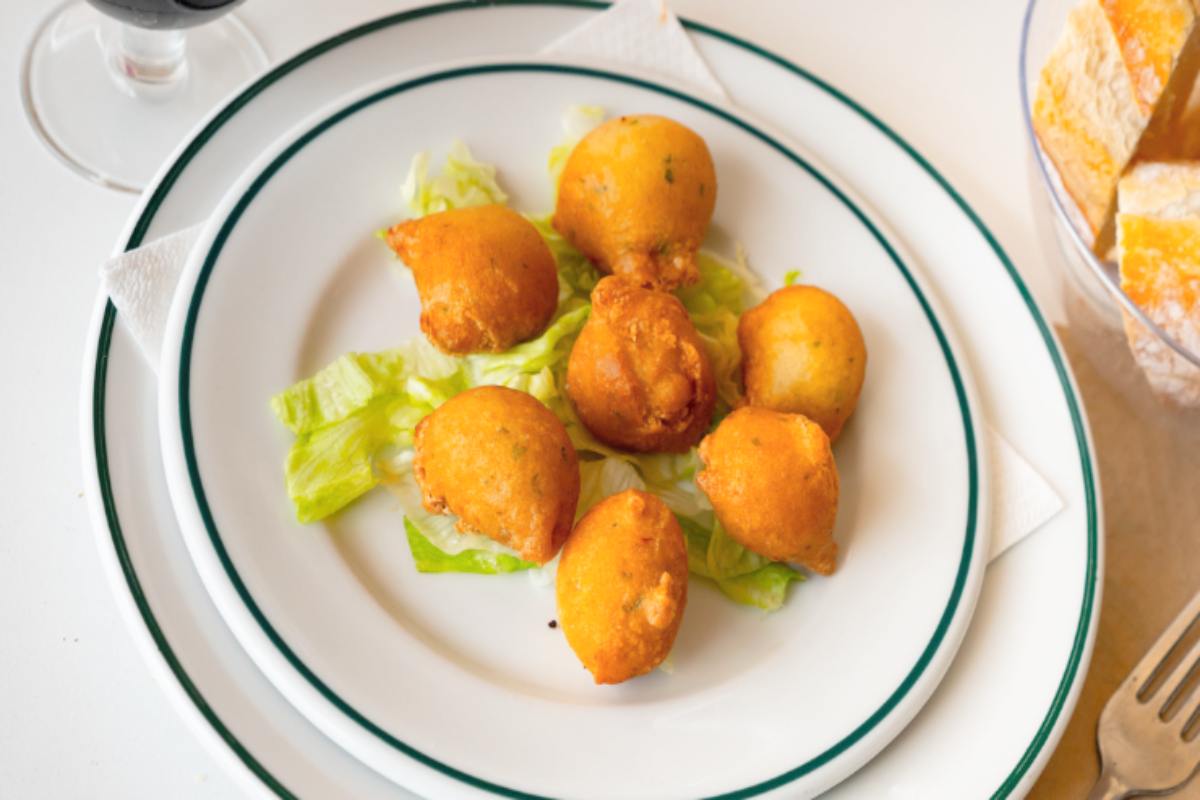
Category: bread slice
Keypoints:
(1158, 246)
(1115, 83)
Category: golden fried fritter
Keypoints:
(485, 277)
(802, 352)
(636, 196)
(622, 586)
(502, 463)
(638, 375)
(774, 486)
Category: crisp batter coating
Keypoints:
(502, 463)
(622, 586)
(774, 486)
(802, 352)
(485, 277)
(638, 375)
(636, 196)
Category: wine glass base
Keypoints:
(96, 123)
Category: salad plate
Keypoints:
(1036, 654)
(288, 275)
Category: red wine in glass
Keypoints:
(165, 14)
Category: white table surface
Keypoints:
(80, 715)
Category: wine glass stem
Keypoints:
(149, 60)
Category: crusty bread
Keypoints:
(1115, 83)
(1158, 243)
(1161, 190)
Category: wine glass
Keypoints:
(112, 86)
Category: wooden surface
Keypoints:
(1149, 463)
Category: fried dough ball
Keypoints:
(485, 277)
(502, 463)
(638, 375)
(622, 586)
(772, 482)
(636, 196)
(802, 352)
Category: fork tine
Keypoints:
(1152, 663)
(1189, 717)
(1177, 686)
(1180, 689)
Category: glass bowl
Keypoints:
(1110, 328)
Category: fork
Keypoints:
(1141, 732)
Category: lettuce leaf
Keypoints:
(720, 289)
(330, 467)
(765, 588)
(672, 478)
(351, 410)
(600, 478)
(483, 562)
(714, 304)
(576, 275)
(696, 537)
(463, 181)
(523, 367)
(741, 575)
(725, 558)
(337, 391)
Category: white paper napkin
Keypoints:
(640, 33)
(643, 34)
(1022, 500)
(141, 284)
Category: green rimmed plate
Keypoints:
(423, 677)
(1019, 672)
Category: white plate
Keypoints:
(998, 713)
(424, 677)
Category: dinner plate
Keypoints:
(424, 677)
(996, 716)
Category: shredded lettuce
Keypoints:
(714, 305)
(336, 392)
(463, 181)
(696, 536)
(530, 366)
(354, 419)
(599, 478)
(330, 467)
(430, 559)
(719, 291)
(726, 558)
(672, 478)
(765, 588)
(351, 410)
(743, 576)
(576, 275)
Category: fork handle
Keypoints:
(1108, 787)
